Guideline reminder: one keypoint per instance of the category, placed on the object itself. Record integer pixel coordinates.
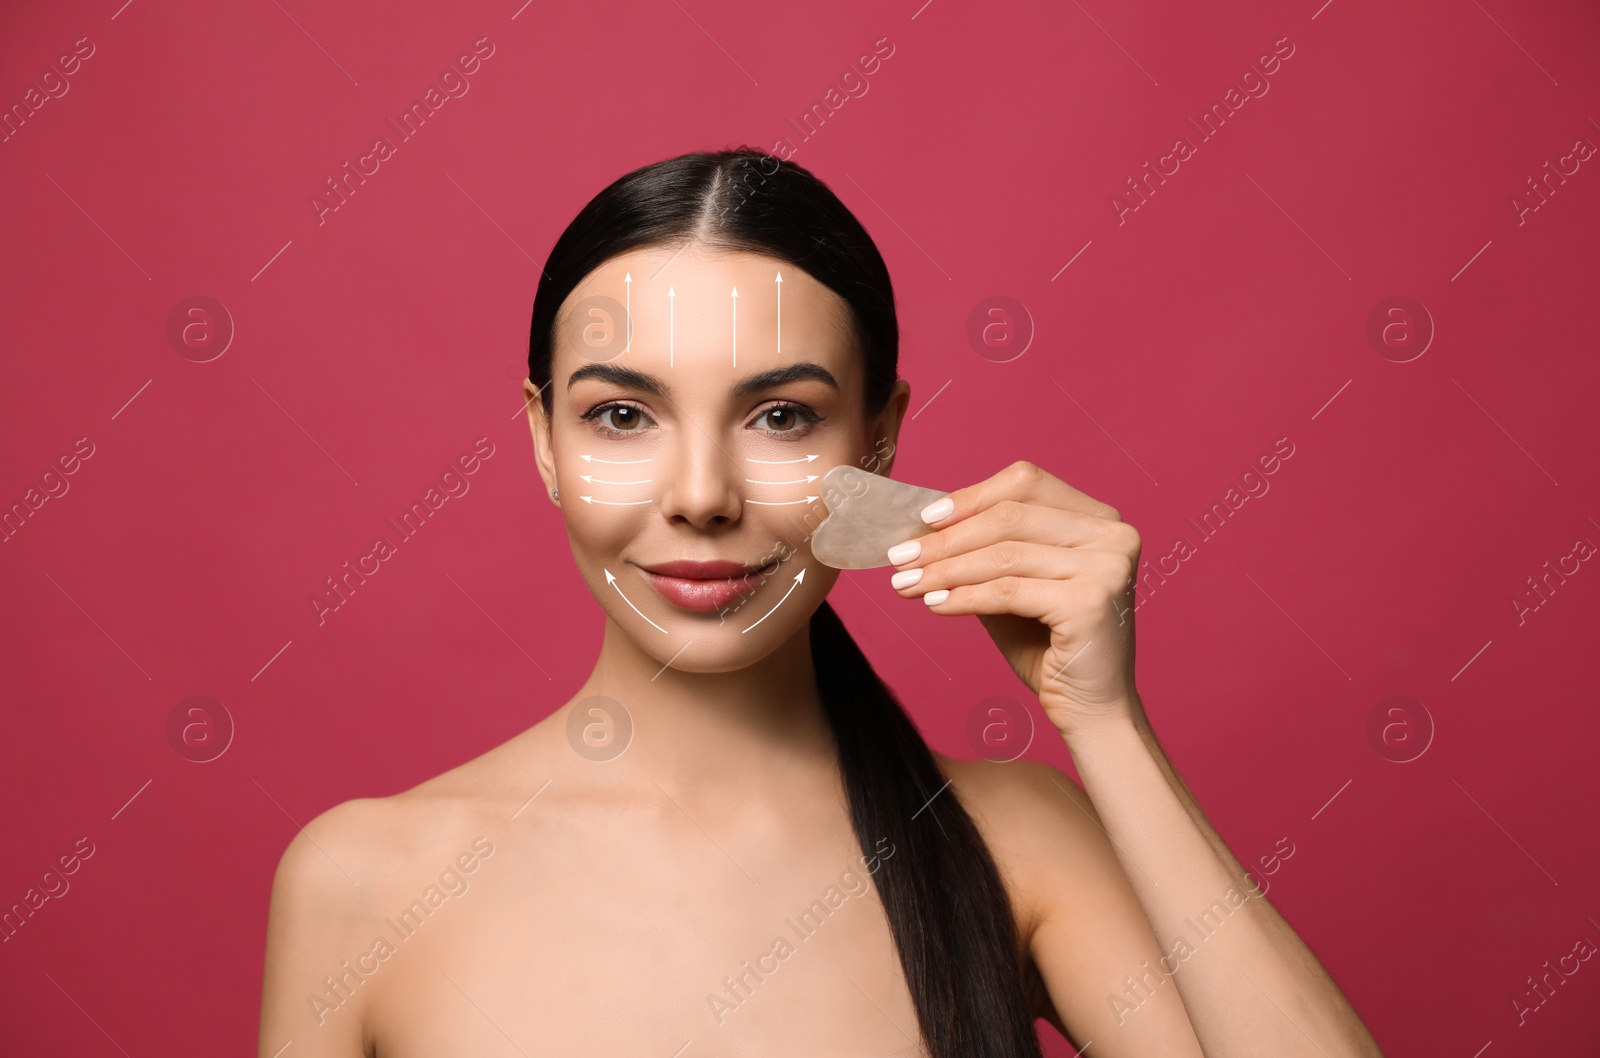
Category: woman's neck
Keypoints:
(748, 729)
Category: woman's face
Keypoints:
(688, 450)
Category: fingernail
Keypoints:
(906, 577)
(938, 509)
(905, 552)
(934, 598)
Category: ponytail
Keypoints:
(947, 907)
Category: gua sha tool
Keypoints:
(867, 515)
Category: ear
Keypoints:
(543, 451)
(885, 436)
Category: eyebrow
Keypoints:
(632, 379)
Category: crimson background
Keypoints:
(1228, 312)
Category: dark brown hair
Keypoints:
(947, 907)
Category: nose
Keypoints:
(704, 486)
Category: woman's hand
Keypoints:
(1050, 573)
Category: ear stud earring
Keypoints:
(555, 494)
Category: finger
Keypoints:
(1025, 522)
(1045, 600)
(1011, 558)
(1028, 483)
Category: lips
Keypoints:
(705, 586)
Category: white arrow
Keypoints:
(808, 479)
(611, 580)
(627, 278)
(614, 503)
(672, 296)
(806, 459)
(600, 481)
(779, 281)
(735, 326)
(619, 462)
(798, 577)
(777, 503)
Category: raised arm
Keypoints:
(1084, 925)
(1251, 985)
(1048, 569)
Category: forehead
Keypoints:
(683, 309)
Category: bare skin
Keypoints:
(604, 916)
(609, 901)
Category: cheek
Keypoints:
(600, 533)
(786, 531)
(611, 472)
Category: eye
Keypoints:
(789, 420)
(626, 419)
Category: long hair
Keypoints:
(947, 908)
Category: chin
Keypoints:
(711, 647)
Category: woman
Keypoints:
(732, 840)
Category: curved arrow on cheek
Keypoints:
(798, 578)
(612, 580)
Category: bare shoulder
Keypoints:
(1016, 776)
(345, 864)
(349, 856)
(1018, 798)
(364, 842)
(317, 911)
(1040, 826)
(369, 842)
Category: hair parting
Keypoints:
(942, 893)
